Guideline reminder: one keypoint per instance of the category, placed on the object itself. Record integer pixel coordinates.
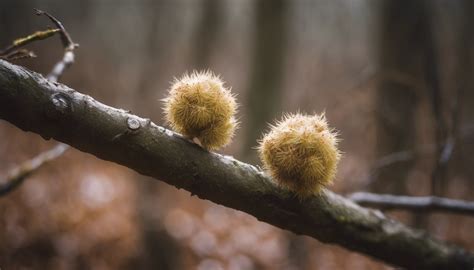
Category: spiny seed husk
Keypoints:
(200, 106)
(300, 153)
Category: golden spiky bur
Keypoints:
(200, 106)
(300, 153)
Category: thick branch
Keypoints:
(20, 173)
(32, 103)
(429, 203)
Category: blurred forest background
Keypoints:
(394, 77)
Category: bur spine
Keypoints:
(200, 106)
(300, 153)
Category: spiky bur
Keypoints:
(300, 153)
(200, 106)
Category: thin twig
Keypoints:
(448, 147)
(391, 159)
(13, 52)
(68, 44)
(408, 155)
(18, 54)
(440, 125)
(464, 68)
(20, 173)
(428, 203)
(20, 42)
(455, 110)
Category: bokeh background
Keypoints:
(394, 77)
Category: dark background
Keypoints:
(394, 77)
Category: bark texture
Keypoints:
(53, 110)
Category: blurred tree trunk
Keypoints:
(299, 252)
(465, 100)
(462, 98)
(206, 33)
(264, 93)
(158, 249)
(409, 60)
(403, 42)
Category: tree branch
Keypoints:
(428, 203)
(20, 173)
(32, 103)
(14, 52)
(68, 44)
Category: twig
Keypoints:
(20, 42)
(14, 52)
(20, 173)
(428, 203)
(68, 44)
(57, 111)
(407, 155)
(18, 54)
(390, 159)
(440, 125)
(448, 147)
